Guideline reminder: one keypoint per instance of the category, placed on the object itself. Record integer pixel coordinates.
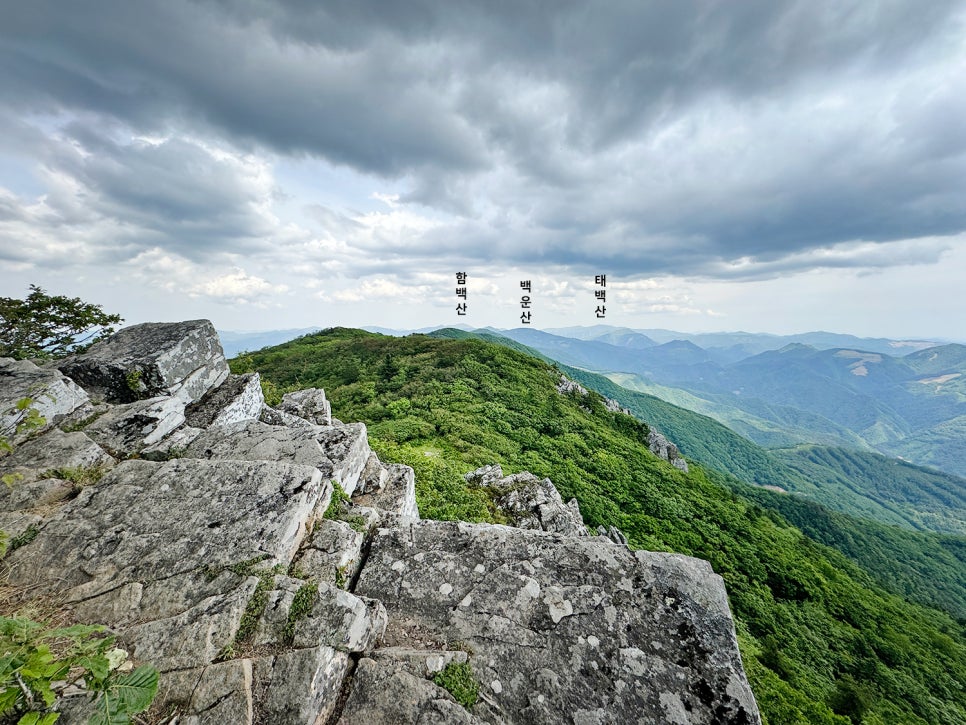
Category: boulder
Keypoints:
(129, 428)
(664, 449)
(561, 629)
(339, 452)
(530, 502)
(236, 400)
(54, 449)
(333, 553)
(51, 394)
(184, 359)
(299, 687)
(397, 495)
(309, 404)
(270, 416)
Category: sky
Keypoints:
(763, 165)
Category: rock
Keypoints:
(128, 429)
(300, 686)
(211, 695)
(309, 404)
(333, 554)
(34, 494)
(236, 400)
(572, 629)
(612, 533)
(174, 445)
(530, 502)
(270, 416)
(383, 694)
(418, 662)
(183, 359)
(51, 394)
(398, 494)
(663, 448)
(373, 478)
(341, 620)
(339, 452)
(54, 449)
(147, 522)
(566, 385)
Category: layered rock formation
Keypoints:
(218, 545)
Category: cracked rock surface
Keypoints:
(215, 555)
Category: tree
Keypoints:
(50, 326)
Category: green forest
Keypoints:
(825, 635)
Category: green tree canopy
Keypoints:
(45, 325)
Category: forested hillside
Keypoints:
(821, 640)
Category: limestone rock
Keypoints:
(184, 359)
(54, 449)
(129, 428)
(300, 686)
(566, 385)
(270, 416)
(383, 694)
(172, 446)
(339, 452)
(341, 620)
(52, 395)
(570, 629)
(418, 662)
(398, 494)
(663, 448)
(236, 400)
(530, 502)
(309, 404)
(218, 694)
(333, 553)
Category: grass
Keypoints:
(458, 679)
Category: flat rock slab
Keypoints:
(149, 521)
(338, 452)
(178, 358)
(563, 629)
(397, 495)
(130, 428)
(54, 449)
(52, 395)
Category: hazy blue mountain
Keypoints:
(235, 342)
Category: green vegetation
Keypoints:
(44, 326)
(458, 679)
(339, 499)
(822, 640)
(302, 604)
(39, 663)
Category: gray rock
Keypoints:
(52, 395)
(383, 694)
(663, 448)
(398, 494)
(333, 553)
(309, 404)
(174, 445)
(569, 629)
(341, 620)
(373, 478)
(236, 400)
(566, 385)
(530, 502)
(184, 359)
(218, 694)
(299, 687)
(270, 416)
(147, 522)
(339, 452)
(418, 662)
(128, 429)
(54, 449)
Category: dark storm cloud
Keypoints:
(656, 136)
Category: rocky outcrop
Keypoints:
(276, 571)
(49, 393)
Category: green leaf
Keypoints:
(125, 695)
(36, 718)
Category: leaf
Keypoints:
(126, 695)
(36, 718)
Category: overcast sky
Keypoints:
(766, 165)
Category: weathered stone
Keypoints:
(398, 494)
(30, 494)
(664, 449)
(148, 521)
(530, 502)
(16, 524)
(373, 478)
(383, 694)
(572, 629)
(309, 404)
(173, 445)
(418, 662)
(566, 385)
(270, 416)
(300, 686)
(53, 449)
(333, 554)
(219, 694)
(183, 359)
(341, 620)
(51, 394)
(236, 400)
(128, 429)
(339, 452)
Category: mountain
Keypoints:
(824, 639)
(234, 342)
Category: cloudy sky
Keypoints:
(767, 165)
